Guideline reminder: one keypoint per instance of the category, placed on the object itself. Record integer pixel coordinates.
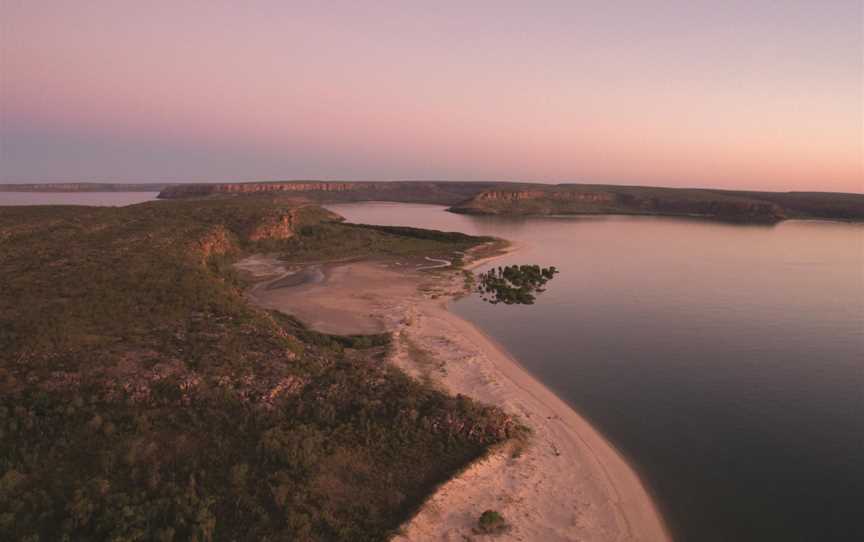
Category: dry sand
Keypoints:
(568, 483)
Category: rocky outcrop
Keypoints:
(238, 223)
(281, 226)
(215, 242)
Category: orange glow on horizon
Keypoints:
(370, 105)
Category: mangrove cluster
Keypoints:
(514, 284)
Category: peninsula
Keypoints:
(142, 395)
(229, 367)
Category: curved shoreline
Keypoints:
(567, 483)
(649, 509)
(571, 484)
(636, 510)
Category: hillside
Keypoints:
(544, 199)
(735, 206)
(142, 397)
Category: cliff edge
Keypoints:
(735, 206)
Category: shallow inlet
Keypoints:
(725, 361)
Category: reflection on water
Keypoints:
(726, 361)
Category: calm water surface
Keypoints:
(726, 361)
(100, 199)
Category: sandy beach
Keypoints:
(567, 483)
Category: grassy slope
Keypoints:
(141, 398)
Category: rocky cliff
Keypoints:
(293, 187)
(275, 227)
(544, 199)
(442, 193)
(237, 224)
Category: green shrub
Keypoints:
(491, 522)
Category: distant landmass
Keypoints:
(84, 187)
(513, 198)
(743, 206)
(492, 198)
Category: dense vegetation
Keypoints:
(332, 241)
(142, 399)
(514, 284)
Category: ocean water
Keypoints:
(100, 199)
(725, 361)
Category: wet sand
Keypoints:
(568, 483)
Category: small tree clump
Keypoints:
(492, 522)
(514, 284)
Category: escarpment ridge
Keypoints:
(437, 192)
(745, 206)
(519, 198)
(493, 198)
(624, 200)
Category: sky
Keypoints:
(754, 94)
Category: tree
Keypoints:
(491, 522)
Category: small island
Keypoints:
(514, 284)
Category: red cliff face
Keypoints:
(245, 188)
(275, 227)
(275, 224)
(522, 195)
(442, 193)
(508, 195)
(194, 190)
(214, 243)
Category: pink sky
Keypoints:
(735, 94)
